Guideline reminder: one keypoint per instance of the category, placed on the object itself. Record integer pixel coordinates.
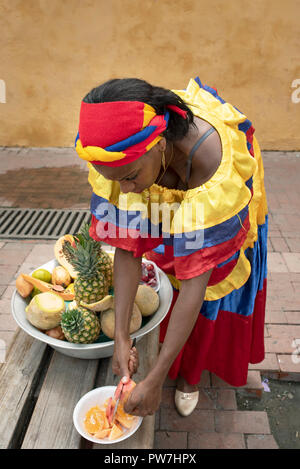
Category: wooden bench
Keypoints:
(39, 388)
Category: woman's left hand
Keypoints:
(144, 399)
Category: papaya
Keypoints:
(60, 256)
(48, 287)
(115, 432)
(101, 434)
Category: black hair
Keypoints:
(134, 89)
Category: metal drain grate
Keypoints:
(30, 223)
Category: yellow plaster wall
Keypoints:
(53, 52)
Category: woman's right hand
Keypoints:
(125, 359)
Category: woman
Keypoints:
(177, 176)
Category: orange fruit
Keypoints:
(123, 418)
(115, 432)
(102, 433)
(94, 420)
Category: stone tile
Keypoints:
(40, 254)
(276, 330)
(7, 273)
(170, 440)
(7, 323)
(293, 244)
(226, 399)
(261, 442)
(235, 421)
(215, 440)
(275, 317)
(205, 381)
(8, 291)
(279, 345)
(269, 363)
(276, 262)
(5, 307)
(290, 363)
(7, 337)
(279, 244)
(203, 420)
(14, 253)
(293, 317)
(292, 260)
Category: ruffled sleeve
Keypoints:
(217, 221)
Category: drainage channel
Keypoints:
(31, 223)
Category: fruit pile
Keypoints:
(101, 423)
(84, 278)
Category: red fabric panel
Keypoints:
(137, 245)
(224, 347)
(205, 259)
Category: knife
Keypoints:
(120, 394)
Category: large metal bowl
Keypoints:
(95, 350)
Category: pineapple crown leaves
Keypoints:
(84, 240)
(72, 320)
(85, 259)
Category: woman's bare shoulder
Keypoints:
(208, 155)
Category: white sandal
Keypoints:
(186, 402)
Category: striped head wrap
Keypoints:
(119, 132)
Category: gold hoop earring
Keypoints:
(163, 160)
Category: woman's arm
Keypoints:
(183, 318)
(127, 275)
(146, 396)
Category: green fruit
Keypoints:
(42, 274)
(35, 291)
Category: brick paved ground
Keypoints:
(216, 423)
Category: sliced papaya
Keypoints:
(125, 390)
(59, 254)
(103, 433)
(110, 409)
(45, 287)
(127, 420)
(115, 432)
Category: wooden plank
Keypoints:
(148, 352)
(51, 425)
(18, 379)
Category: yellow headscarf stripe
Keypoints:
(91, 153)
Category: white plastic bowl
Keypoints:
(97, 397)
(95, 350)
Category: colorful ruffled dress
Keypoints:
(222, 224)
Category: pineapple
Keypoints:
(80, 326)
(105, 262)
(90, 285)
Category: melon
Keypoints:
(147, 300)
(107, 320)
(44, 310)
